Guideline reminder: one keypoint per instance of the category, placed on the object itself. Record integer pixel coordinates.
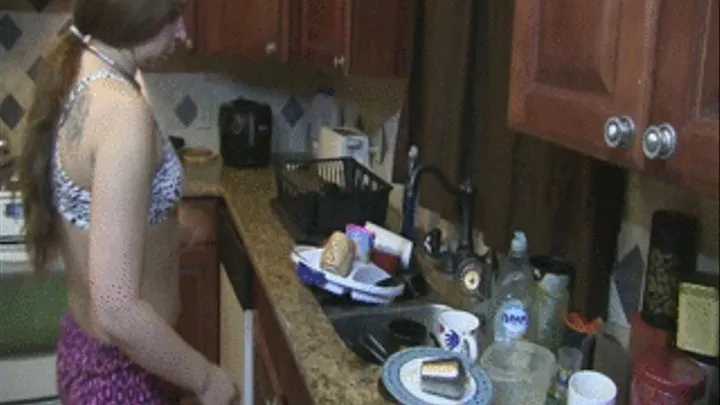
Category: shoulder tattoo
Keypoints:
(75, 123)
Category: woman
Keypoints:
(101, 188)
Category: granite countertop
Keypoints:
(333, 374)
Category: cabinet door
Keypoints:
(255, 29)
(686, 92)
(321, 32)
(232, 330)
(381, 38)
(576, 63)
(266, 382)
(199, 291)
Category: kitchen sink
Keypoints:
(416, 288)
(352, 324)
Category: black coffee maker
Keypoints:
(245, 133)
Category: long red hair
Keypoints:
(118, 23)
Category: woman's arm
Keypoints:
(124, 166)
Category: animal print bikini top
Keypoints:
(73, 202)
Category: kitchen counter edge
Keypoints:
(332, 373)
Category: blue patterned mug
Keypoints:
(456, 331)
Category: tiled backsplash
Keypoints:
(187, 105)
(645, 196)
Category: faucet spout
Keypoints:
(465, 194)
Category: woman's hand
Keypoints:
(220, 390)
(195, 226)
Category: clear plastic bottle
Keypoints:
(324, 112)
(512, 294)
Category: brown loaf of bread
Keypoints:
(338, 254)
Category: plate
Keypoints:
(401, 377)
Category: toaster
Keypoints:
(343, 142)
(245, 133)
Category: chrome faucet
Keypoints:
(464, 193)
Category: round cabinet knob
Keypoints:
(189, 44)
(339, 61)
(619, 132)
(659, 142)
(271, 48)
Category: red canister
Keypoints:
(665, 377)
(643, 336)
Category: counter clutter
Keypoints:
(331, 372)
(328, 371)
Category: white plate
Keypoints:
(401, 378)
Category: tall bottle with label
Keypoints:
(512, 294)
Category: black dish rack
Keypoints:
(323, 195)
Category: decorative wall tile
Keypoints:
(628, 276)
(11, 112)
(292, 111)
(33, 71)
(10, 32)
(65, 27)
(186, 111)
(39, 4)
(38, 36)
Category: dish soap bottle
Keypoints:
(512, 294)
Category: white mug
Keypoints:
(589, 387)
(456, 331)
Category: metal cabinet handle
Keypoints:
(273, 401)
(271, 48)
(659, 142)
(338, 61)
(619, 132)
(189, 44)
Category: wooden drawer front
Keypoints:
(209, 207)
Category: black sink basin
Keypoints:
(353, 324)
(353, 320)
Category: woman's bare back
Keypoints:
(159, 280)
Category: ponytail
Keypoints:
(55, 78)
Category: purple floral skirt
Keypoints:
(95, 373)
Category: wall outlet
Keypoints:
(204, 120)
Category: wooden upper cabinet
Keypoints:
(585, 73)
(255, 29)
(576, 64)
(686, 95)
(381, 37)
(321, 32)
(355, 37)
